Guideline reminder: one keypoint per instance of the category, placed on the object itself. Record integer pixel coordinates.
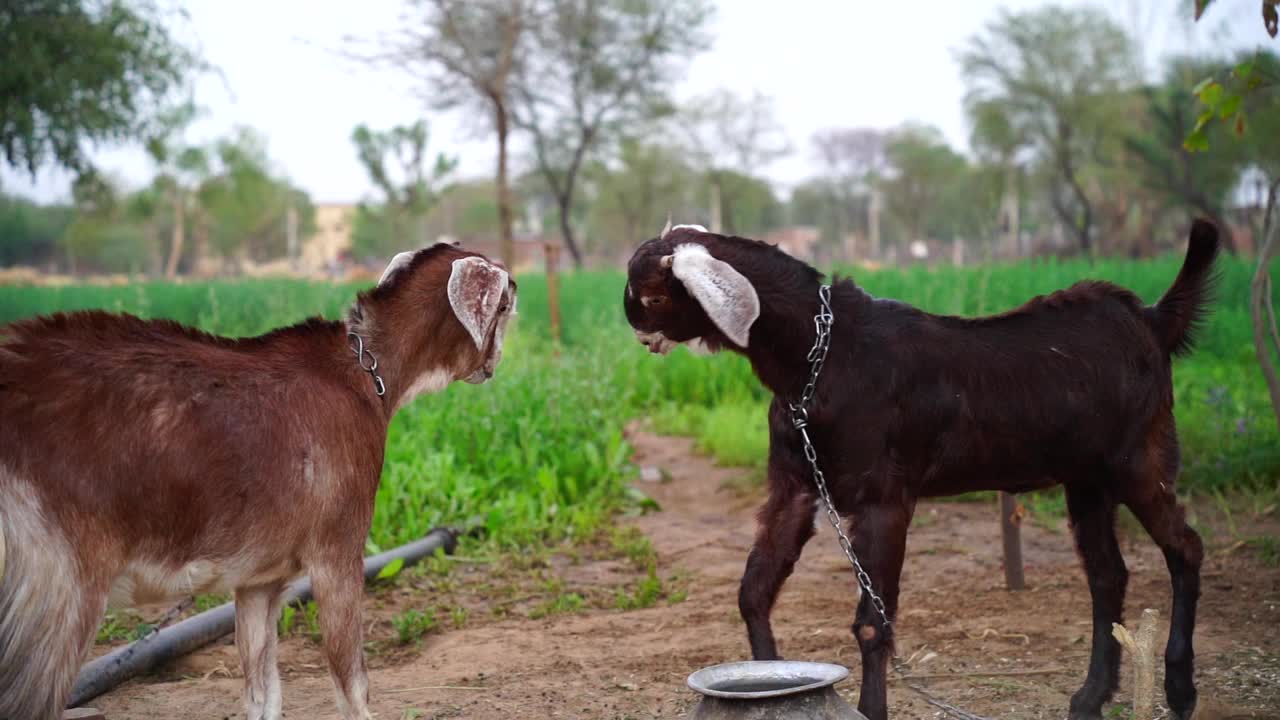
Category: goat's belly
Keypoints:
(144, 582)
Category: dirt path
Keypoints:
(956, 620)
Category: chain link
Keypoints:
(822, 323)
(372, 368)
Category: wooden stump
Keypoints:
(1011, 535)
(553, 291)
(1141, 647)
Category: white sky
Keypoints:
(826, 64)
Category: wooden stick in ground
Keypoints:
(553, 290)
(1141, 647)
(1011, 535)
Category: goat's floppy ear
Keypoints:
(475, 292)
(724, 293)
(397, 262)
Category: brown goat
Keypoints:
(1074, 389)
(142, 461)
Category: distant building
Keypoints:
(798, 241)
(331, 239)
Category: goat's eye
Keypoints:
(653, 300)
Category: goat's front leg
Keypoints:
(879, 536)
(257, 617)
(785, 524)
(338, 583)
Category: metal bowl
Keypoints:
(764, 678)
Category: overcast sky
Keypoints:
(826, 64)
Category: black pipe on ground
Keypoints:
(104, 673)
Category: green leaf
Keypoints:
(1197, 141)
(1200, 86)
(1211, 95)
(391, 569)
(1201, 121)
(1230, 106)
(1243, 70)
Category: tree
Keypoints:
(596, 65)
(179, 169)
(1055, 73)
(126, 65)
(726, 133)
(1199, 181)
(635, 190)
(409, 190)
(245, 209)
(852, 159)
(29, 232)
(922, 167)
(469, 53)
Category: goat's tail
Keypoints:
(42, 613)
(1177, 317)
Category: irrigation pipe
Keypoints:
(112, 669)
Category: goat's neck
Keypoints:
(404, 372)
(783, 334)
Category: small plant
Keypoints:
(311, 619)
(115, 628)
(646, 592)
(1268, 547)
(412, 624)
(204, 603)
(565, 603)
(287, 614)
(459, 615)
(632, 543)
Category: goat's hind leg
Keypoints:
(339, 587)
(50, 608)
(257, 617)
(1156, 507)
(1092, 511)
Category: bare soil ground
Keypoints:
(541, 637)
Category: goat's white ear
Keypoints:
(724, 293)
(475, 292)
(397, 262)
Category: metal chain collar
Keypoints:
(372, 368)
(822, 323)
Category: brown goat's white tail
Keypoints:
(41, 596)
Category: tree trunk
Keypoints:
(717, 220)
(1265, 338)
(506, 240)
(566, 229)
(178, 237)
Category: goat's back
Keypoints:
(158, 439)
(1065, 384)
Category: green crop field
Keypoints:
(538, 453)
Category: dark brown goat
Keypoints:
(1074, 388)
(142, 461)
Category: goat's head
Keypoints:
(679, 292)
(446, 311)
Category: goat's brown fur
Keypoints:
(147, 460)
(1074, 388)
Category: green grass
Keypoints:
(538, 454)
